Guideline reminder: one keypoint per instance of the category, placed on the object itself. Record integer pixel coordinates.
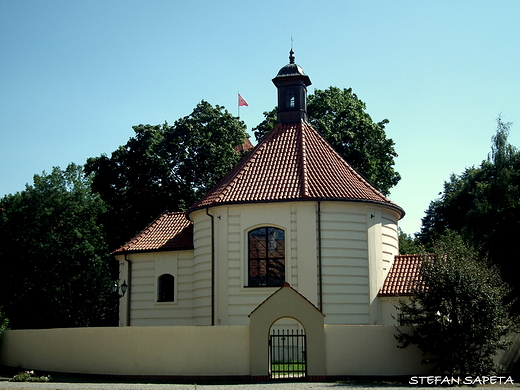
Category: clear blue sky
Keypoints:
(75, 76)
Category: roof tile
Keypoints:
(293, 162)
(170, 231)
(403, 277)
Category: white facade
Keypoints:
(356, 241)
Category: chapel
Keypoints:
(291, 213)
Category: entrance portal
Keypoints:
(287, 351)
(283, 320)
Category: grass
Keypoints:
(287, 367)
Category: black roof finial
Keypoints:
(291, 56)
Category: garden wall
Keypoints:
(182, 350)
(203, 351)
(369, 350)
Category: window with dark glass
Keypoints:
(166, 290)
(266, 257)
(290, 98)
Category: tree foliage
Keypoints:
(483, 205)
(165, 168)
(459, 311)
(4, 323)
(54, 263)
(408, 245)
(340, 117)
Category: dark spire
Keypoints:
(292, 85)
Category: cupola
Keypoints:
(292, 85)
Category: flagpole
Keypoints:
(238, 103)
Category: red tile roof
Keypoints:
(293, 162)
(403, 276)
(170, 231)
(245, 147)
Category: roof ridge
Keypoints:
(303, 160)
(347, 164)
(413, 255)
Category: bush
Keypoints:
(4, 323)
(28, 376)
(460, 312)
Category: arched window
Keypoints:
(266, 257)
(166, 288)
(290, 98)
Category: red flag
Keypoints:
(242, 101)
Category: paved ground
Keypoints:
(262, 386)
(133, 386)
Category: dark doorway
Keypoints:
(287, 354)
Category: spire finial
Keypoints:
(291, 56)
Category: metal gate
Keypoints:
(287, 354)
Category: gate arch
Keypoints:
(287, 350)
(286, 302)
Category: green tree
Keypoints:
(4, 323)
(165, 168)
(408, 245)
(483, 205)
(458, 311)
(54, 263)
(264, 127)
(341, 118)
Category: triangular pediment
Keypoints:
(288, 303)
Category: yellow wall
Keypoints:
(205, 351)
(183, 350)
(389, 313)
(369, 350)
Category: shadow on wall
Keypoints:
(510, 360)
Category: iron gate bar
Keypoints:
(287, 354)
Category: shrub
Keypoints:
(460, 312)
(4, 323)
(28, 376)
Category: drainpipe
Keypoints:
(129, 290)
(212, 266)
(320, 280)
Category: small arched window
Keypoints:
(266, 257)
(290, 98)
(166, 288)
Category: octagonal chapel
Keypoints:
(291, 212)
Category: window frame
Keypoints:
(171, 287)
(269, 264)
(290, 98)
